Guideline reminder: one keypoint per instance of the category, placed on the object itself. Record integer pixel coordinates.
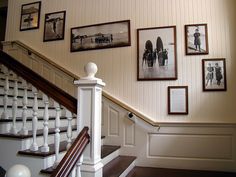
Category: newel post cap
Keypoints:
(18, 171)
(90, 70)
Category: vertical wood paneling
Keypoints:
(117, 66)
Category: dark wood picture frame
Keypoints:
(101, 36)
(214, 74)
(196, 39)
(54, 26)
(175, 98)
(30, 16)
(156, 53)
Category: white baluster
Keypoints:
(69, 129)
(45, 147)
(78, 167)
(6, 89)
(57, 134)
(24, 130)
(34, 146)
(14, 105)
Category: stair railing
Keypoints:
(89, 98)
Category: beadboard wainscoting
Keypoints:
(118, 66)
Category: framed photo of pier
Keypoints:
(157, 58)
(30, 16)
(178, 100)
(214, 74)
(54, 26)
(101, 36)
(196, 39)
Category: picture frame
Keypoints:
(54, 26)
(157, 53)
(101, 36)
(178, 100)
(214, 74)
(30, 16)
(196, 39)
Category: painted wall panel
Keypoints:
(118, 66)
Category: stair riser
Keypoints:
(20, 100)
(29, 113)
(5, 127)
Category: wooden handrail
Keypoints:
(39, 82)
(72, 156)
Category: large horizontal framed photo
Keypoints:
(30, 16)
(178, 100)
(54, 26)
(101, 36)
(214, 74)
(196, 39)
(157, 59)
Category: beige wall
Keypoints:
(118, 66)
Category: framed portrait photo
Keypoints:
(214, 74)
(196, 39)
(30, 16)
(101, 36)
(178, 100)
(157, 59)
(54, 26)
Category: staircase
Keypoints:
(37, 131)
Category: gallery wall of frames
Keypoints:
(155, 47)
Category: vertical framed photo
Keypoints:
(101, 36)
(214, 74)
(178, 100)
(196, 39)
(54, 26)
(30, 16)
(157, 59)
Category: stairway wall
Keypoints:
(118, 66)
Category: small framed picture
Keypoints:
(214, 74)
(157, 59)
(30, 16)
(178, 100)
(101, 36)
(196, 39)
(54, 26)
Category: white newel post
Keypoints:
(89, 114)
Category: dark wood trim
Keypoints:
(72, 156)
(39, 82)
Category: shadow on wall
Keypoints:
(2, 172)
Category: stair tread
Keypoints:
(39, 133)
(117, 166)
(160, 172)
(105, 150)
(19, 119)
(38, 153)
(108, 149)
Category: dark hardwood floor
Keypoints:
(160, 172)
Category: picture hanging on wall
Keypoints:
(157, 59)
(178, 100)
(214, 74)
(30, 16)
(196, 39)
(101, 36)
(54, 26)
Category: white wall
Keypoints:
(118, 66)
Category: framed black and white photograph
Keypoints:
(101, 36)
(157, 58)
(54, 26)
(30, 16)
(196, 39)
(178, 100)
(214, 74)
